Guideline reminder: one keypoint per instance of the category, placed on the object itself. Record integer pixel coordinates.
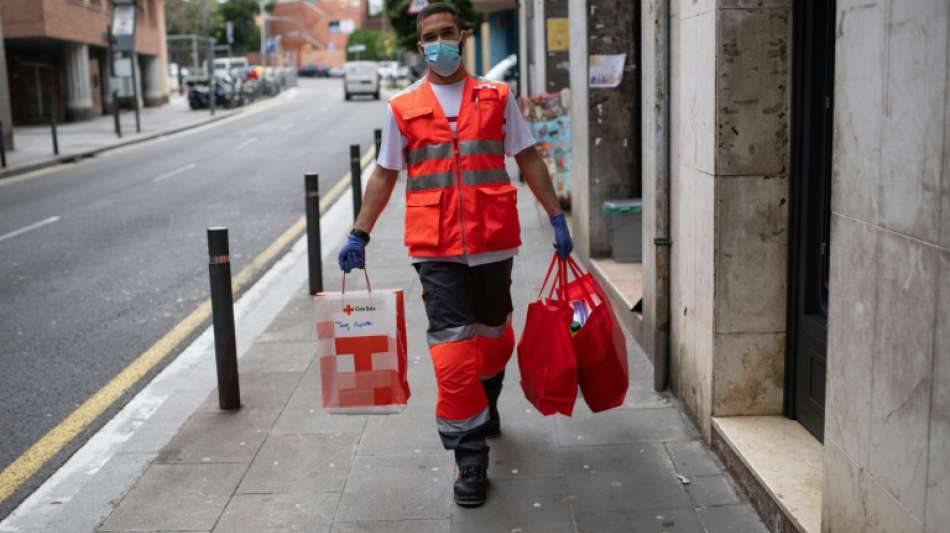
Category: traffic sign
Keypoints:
(356, 48)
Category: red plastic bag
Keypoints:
(545, 353)
(599, 344)
(361, 347)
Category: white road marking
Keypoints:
(185, 168)
(31, 227)
(247, 142)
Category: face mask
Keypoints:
(442, 56)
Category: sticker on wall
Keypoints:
(558, 35)
(606, 71)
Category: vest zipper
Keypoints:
(458, 182)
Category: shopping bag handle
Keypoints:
(556, 284)
(578, 273)
(369, 288)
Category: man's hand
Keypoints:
(353, 254)
(562, 237)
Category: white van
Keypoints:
(360, 77)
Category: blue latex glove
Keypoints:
(562, 237)
(353, 254)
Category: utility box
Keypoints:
(625, 229)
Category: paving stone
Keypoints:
(177, 497)
(153, 433)
(713, 490)
(731, 519)
(304, 413)
(616, 427)
(650, 521)
(388, 526)
(622, 477)
(513, 406)
(220, 436)
(638, 397)
(398, 488)
(693, 459)
(527, 506)
(296, 322)
(278, 357)
(412, 431)
(293, 463)
(273, 513)
(526, 449)
(259, 391)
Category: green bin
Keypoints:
(624, 227)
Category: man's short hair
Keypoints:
(438, 7)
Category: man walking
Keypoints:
(451, 133)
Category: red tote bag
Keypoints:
(599, 345)
(545, 352)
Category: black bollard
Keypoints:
(222, 317)
(115, 114)
(314, 252)
(378, 140)
(3, 147)
(52, 127)
(356, 179)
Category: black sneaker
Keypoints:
(493, 426)
(471, 485)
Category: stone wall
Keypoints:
(729, 153)
(887, 420)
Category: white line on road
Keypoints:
(247, 142)
(31, 227)
(176, 171)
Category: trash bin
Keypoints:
(624, 223)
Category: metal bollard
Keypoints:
(356, 173)
(115, 114)
(3, 148)
(52, 126)
(314, 252)
(222, 316)
(378, 140)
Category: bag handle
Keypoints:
(369, 288)
(547, 277)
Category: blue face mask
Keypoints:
(442, 56)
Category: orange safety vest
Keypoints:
(459, 198)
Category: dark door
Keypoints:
(810, 212)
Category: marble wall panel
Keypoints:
(912, 147)
(748, 374)
(751, 254)
(903, 355)
(752, 91)
(860, 56)
(851, 334)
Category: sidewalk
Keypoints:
(282, 464)
(34, 144)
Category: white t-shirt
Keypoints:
(392, 153)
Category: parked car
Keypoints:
(313, 70)
(505, 70)
(389, 70)
(336, 72)
(360, 77)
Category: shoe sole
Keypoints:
(470, 502)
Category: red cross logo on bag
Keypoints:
(348, 309)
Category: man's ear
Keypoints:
(419, 48)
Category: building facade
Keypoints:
(57, 62)
(795, 282)
(316, 32)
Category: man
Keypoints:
(451, 132)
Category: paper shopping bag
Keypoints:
(361, 347)
(545, 353)
(599, 343)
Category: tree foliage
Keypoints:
(204, 17)
(404, 24)
(379, 45)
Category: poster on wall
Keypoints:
(558, 35)
(550, 124)
(606, 71)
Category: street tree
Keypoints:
(404, 24)
(379, 45)
(195, 17)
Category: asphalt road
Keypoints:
(82, 295)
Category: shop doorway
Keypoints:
(810, 213)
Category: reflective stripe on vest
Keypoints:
(429, 152)
(459, 426)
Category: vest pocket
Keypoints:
(499, 208)
(423, 214)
